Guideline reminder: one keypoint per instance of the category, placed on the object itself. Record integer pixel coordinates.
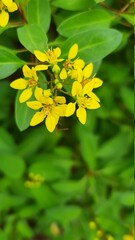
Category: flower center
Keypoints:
(46, 109)
(51, 57)
(68, 64)
(82, 101)
(32, 83)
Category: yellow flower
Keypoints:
(51, 109)
(5, 7)
(72, 68)
(54, 229)
(27, 83)
(50, 57)
(92, 225)
(85, 99)
(35, 180)
(128, 237)
(109, 237)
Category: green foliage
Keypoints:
(87, 169)
(85, 21)
(22, 110)
(100, 42)
(32, 37)
(42, 15)
(9, 62)
(73, 5)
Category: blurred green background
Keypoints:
(87, 190)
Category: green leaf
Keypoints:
(32, 37)
(114, 147)
(127, 96)
(93, 45)
(38, 12)
(24, 229)
(23, 114)
(51, 198)
(88, 148)
(6, 142)
(73, 5)
(98, 1)
(70, 187)
(63, 214)
(8, 201)
(127, 198)
(9, 62)
(85, 21)
(129, 18)
(22, 2)
(51, 169)
(2, 235)
(12, 165)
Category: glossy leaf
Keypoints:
(73, 5)
(9, 62)
(93, 45)
(32, 37)
(38, 12)
(23, 114)
(85, 21)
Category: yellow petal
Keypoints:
(79, 63)
(79, 75)
(56, 68)
(76, 88)
(70, 109)
(59, 111)
(73, 74)
(128, 237)
(63, 74)
(93, 95)
(97, 82)
(34, 74)
(73, 51)
(25, 95)
(7, 3)
(51, 122)
(57, 52)
(47, 92)
(88, 87)
(88, 71)
(19, 83)
(34, 105)
(38, 93)
(92, 104)
(42, 57)
(81, 114)
(41, 67)
(37, 118)
(60, 99)
(12, 7)
(4, 18)
(27, 71)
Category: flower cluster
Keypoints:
(51, 98)
(34, 180)
(6, 6)
(99, 234)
